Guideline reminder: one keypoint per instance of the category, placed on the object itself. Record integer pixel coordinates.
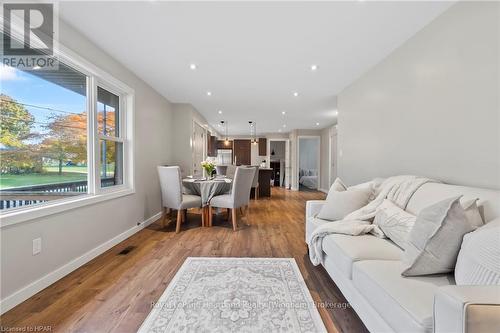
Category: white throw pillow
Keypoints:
(340, 203)
(394, 222)
(337, 186)
(435, 239)
(472, 213)
(478, 261)
(374, 186)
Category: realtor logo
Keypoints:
(29, 36)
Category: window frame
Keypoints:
(122, 138)
(95, 193)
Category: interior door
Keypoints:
(198, 149)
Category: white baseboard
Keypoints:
(24, 293)
(323, 190)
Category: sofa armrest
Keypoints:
(467, 309)
(313, 207)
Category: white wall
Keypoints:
(431, 107)
(182, 149)
(69, 235)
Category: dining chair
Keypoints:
(221, 170)
(172, 196)
(239, 196)
(230, 171)
(255, 182)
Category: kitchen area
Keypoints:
(243, 152)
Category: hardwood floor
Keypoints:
(114, 292)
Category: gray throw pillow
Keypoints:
(434, 241)
(341, 203)
(472, 213)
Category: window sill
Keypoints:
(59, 206)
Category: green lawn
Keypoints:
(79, 169)
(70, 173)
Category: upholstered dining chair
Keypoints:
(239, 196)
(221, 170)
(171, 194)
(230, 171)
(255, 182)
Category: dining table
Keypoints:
(207, 189)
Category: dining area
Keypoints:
(227, 189)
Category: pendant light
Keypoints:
(253, 132)
(226, 139)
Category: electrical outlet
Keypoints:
(37, 246)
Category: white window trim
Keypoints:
(96, 76)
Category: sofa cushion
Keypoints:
(345, 250)
(430, 193)
(406, 304)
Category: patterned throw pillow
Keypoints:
(395, 223)
(478, 261)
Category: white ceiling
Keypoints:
(251, 56)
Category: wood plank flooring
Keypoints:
(114, 292)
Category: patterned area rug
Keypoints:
(235, 295)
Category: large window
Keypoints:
(63, 135)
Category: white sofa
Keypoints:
(368, 269)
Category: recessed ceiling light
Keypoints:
(336, 113)
(284, 125)
(279, 130)
(220, 111)
(209, 93)
(192, 66)
(317, 124)
(314, 67)
(283, 112)
(296, 94)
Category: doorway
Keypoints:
(278, 155)
(308, 163)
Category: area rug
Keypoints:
(235, 295)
